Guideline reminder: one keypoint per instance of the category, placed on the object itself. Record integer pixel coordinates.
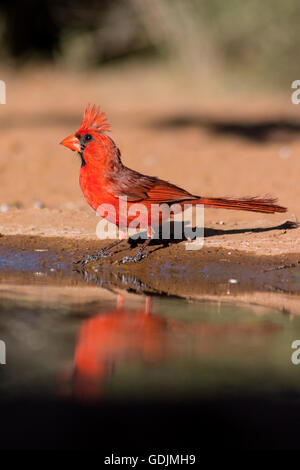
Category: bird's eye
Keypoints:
(88, 137)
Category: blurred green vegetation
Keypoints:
(251, 39)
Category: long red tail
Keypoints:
(255, 204)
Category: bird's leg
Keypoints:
(148, 302)
(120, 301)
(139, 254)
(103, 253)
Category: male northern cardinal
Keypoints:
(104, 179)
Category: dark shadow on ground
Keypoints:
(282, 130)
(257, 131)
(180, 227)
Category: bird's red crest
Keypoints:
(92, 118)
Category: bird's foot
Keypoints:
(87, 259)
(133, 259)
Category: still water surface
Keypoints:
(88, 343)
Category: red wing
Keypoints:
(163, 191)
(129, 185)
(137, 187)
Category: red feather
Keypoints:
(92, 118)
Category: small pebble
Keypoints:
(38, 205)
(233, 281)
(285, 152)
(39, 249)
(149, 160)
(68, 205)
(4, 208)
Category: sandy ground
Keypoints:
(225, 143)
(230, 144)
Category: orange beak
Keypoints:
(72, 143)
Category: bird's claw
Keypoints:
(82, 262)
(133, 259)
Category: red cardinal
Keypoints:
(104, 179)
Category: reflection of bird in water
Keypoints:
(126, 335)
(118, 335)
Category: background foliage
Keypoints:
(251, 39)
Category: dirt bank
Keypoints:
(210, 273)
